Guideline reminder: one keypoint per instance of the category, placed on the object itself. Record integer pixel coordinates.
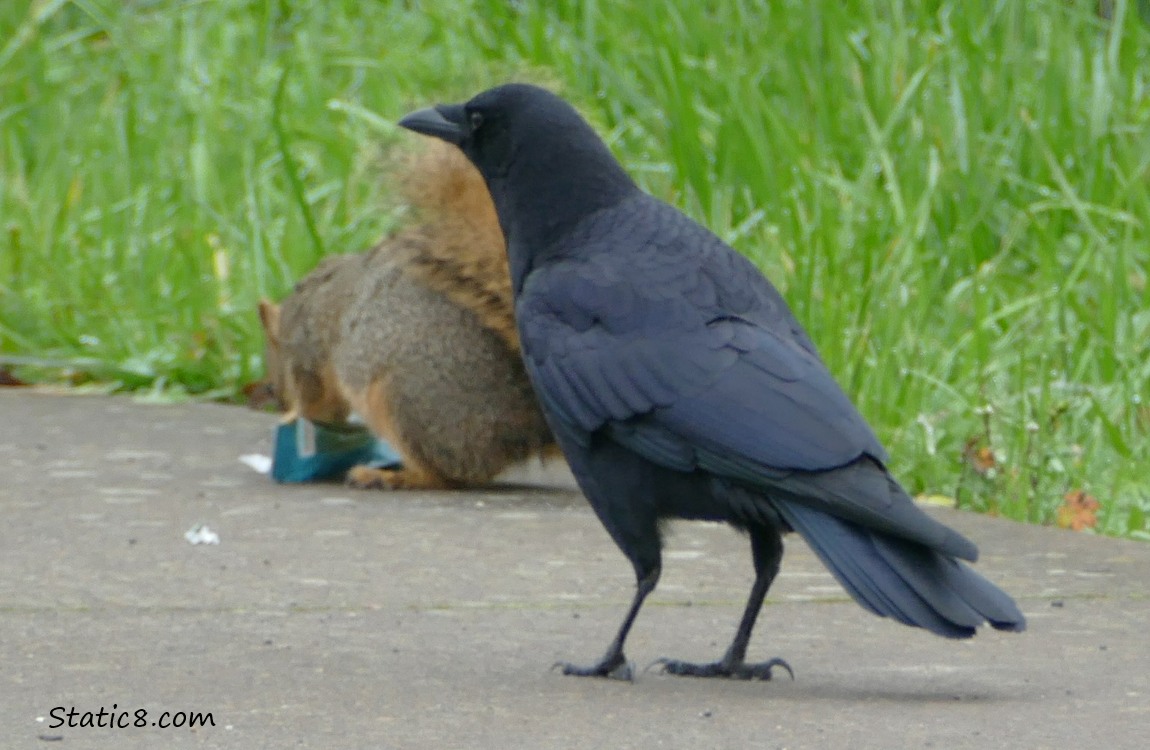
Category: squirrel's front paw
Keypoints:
(370, 478)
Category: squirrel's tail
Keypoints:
(455, 244)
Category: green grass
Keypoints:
(954, 196)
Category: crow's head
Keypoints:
(504, 123)
(544, 164)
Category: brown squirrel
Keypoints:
(417, 337)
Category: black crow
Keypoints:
(680, 385)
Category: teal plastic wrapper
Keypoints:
(305, 451)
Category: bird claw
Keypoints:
(739, 671)
(612, 669)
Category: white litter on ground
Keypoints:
(201, 534)
(257, 461)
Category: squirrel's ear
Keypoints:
(270, 317)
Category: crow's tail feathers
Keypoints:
(904, 580)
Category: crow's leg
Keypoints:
(767, 550)
(614, 664)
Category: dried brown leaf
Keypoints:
(1078, 511)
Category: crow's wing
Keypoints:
(692, 385)
(656, 315)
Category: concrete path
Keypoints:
(331, 618)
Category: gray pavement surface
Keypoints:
(333, 618)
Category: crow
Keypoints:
(680, 385)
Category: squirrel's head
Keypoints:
(300, 389)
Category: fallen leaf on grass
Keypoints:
(1078, 511)
(8, 379)
(943, 501)
(981, 458)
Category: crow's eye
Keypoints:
(476, 119)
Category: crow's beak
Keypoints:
(443, 121)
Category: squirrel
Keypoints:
(416, 336)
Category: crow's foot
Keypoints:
(736, 671)
(614, 667)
